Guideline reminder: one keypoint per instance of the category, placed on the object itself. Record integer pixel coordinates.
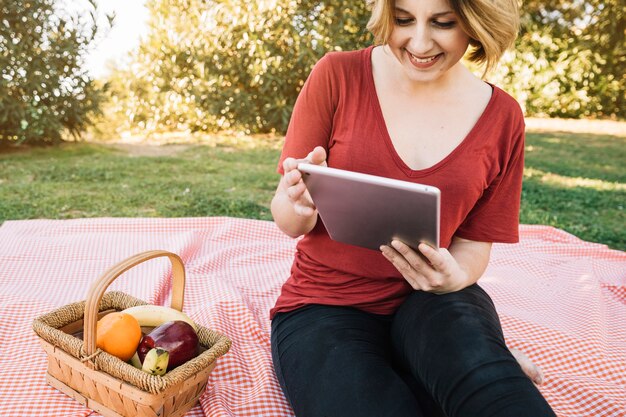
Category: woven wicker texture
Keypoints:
(97, 379)
(48, 325)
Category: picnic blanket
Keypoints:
(561, 300)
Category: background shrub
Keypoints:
(211, 65)
(229, 64)
(569, 60)
(45, 92)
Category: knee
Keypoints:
(459, 329)
(426, 315)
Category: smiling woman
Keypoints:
(406, 108)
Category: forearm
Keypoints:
(471, 256)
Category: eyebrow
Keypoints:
(401, 10)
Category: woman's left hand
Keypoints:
(431, 270)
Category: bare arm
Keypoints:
(292, 207)
(440, 270)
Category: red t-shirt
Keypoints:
(480, 182)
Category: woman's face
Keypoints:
(427, 38)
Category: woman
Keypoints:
(357, 332)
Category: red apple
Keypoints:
(177, 337)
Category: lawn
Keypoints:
(575, 182)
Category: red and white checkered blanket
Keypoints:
(561, 300)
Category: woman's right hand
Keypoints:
(293, 185)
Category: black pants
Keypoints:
(438, 355)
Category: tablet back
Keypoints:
(369, 211)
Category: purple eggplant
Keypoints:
(177, 337)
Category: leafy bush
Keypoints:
(209, 65)
(45, 92)
(569, 60)
(235, 64)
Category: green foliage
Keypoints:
(44, 90)
(210, 65)
(569, 60)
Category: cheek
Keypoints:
(396, 43)
(459, 41)
(394, 39)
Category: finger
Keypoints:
(293, 177)
(296, 191)
(430, 278)
(317, 155)
(397, 260)
(434, 258)
(303, 210)
(410, 255)
(413, 277)
(289, 164)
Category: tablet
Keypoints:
(369, 211)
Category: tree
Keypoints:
(45, 91)
(569, 60)
(208, 65)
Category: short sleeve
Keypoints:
(495, 216)
(312, 117)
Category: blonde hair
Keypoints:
(492, 26)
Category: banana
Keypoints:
(150, 315)
(135, 361)
(156, 361)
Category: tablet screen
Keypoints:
(370, 211)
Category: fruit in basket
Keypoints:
(118, 334)
(156, 361)
(152, 316)
(177, 337)
(135, 361)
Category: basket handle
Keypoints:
(98, 287)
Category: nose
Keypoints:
(421, 41)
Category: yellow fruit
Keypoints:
(118, 334)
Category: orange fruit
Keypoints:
(118, 334)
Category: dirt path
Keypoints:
(168, 146)
(148, 149)
(598, 127)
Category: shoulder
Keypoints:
(344, 62)
(508, 108)
(349, 57)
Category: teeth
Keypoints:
(422, 60)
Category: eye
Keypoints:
(444, 25)
(403, 21)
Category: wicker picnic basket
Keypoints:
(107, 384)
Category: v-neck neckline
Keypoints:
(472, 135)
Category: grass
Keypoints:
(89, 180)
(575, 182)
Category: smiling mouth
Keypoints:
(422, 61)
